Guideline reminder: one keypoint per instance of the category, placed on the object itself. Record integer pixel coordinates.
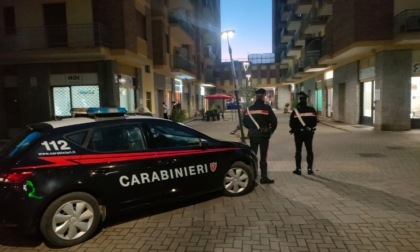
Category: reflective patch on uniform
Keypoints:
(259, 112)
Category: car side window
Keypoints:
(173, 135)
(117, 139)
(78, 137)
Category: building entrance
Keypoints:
(367, 103)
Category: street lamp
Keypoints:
(227, 35)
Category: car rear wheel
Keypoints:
(71, 219)
(238, 180)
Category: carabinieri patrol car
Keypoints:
(65, 177)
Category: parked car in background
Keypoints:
(65, 177)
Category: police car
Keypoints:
(63, 178)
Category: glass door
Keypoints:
(367, 102)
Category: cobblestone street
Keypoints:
(365, 196)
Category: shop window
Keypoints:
(69, 97)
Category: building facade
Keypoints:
(60, 55)
(358, 60)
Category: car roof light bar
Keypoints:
(100, 112)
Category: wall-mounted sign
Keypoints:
(74, 79)
(367, 73)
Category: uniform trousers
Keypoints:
(306, 138)
(262, 143)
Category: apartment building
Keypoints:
(60, 55)
(358, 60)
(259, 71)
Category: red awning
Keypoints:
(218, 96)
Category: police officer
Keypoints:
(303, 128)
(267, 123)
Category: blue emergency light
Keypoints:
(100, 113)
(106, 110)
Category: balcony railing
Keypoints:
(407, 21)
(177, 19)
(72, 36)
(180, 62)
(313, 18)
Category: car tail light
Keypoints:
(14, 178)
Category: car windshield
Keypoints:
(20, 143)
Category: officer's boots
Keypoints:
(310, 160)
(297, 170)
(264, 177)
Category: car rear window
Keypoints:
(20, 143)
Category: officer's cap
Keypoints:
(302, 95)
(260, 91)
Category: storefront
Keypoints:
(75, 90)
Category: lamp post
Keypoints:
(226, 35)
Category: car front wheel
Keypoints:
(71, 219)
(238, 180)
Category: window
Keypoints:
(66, 98)
(21, 143)
(148, 100)
(172, 135)
(78, 138)
(141, 25)
(9, 20)
(120, 138)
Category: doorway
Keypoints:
(367, 103)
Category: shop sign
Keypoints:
(74, 79)
(367, 73)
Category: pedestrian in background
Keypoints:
(303, 121)
(165, 110)
(261, 123)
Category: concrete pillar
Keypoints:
(393, 85)
(109, 89)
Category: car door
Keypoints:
(123, 163)
(186, 165)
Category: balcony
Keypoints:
(182, 67)
(293, 50)
(69, 36)
(286, 36)
(325, 7)
(295, 22)
(38, 44)
(407, 27)
(304, 6)
(181, 28)
(313, 23)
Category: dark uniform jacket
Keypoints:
(308, 115)
(263, 114)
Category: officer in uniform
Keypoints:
(267, 123)
(303, 131)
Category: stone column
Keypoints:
(393, 85)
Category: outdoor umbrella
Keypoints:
(218, 96)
